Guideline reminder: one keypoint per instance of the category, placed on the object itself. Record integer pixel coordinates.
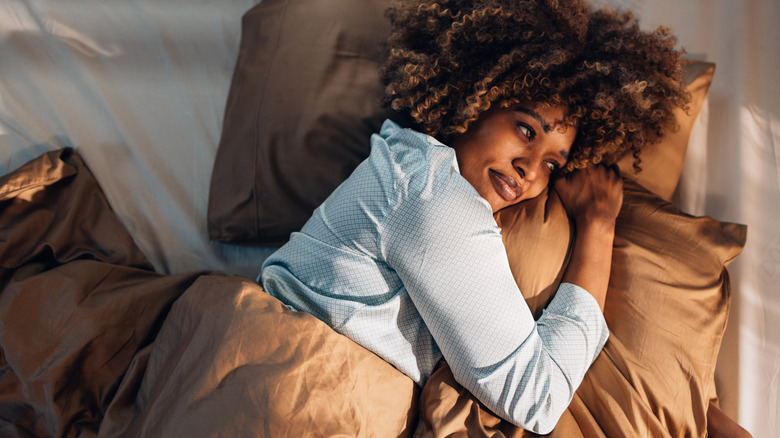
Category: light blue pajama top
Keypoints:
(406, 259)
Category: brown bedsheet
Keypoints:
(78, 299)
(94, 343)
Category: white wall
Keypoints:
(732, 173)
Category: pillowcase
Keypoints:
(667, 308)
(303, 102)
(662, 162)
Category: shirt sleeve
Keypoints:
(445, 246)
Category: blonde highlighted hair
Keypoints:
(451, 60)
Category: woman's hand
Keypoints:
(592, 196)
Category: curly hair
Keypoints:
(452, 60)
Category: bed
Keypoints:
(147, 151)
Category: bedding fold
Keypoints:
(93, 342)
(78, 299)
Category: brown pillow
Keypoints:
(303, 102)
(662, 162)
(666, 308)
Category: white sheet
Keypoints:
(138, 88)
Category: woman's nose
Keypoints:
(533, 170)
(535, 177)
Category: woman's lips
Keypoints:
(506, 187)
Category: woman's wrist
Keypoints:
(589, 221)
(591, 257)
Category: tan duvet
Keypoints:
(94, 343)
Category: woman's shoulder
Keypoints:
(403, 141)
(424, 171)
(412, 154)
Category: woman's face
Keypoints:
(508, 155)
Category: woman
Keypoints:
(501, 98)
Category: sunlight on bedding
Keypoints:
(759, 349)
(139, 89)
(749, 364)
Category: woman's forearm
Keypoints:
(592, 197)
(591, 259)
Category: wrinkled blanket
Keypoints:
(93, 342)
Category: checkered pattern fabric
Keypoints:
(406, 259)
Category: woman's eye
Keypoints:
(528, 132)
(552, 166)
